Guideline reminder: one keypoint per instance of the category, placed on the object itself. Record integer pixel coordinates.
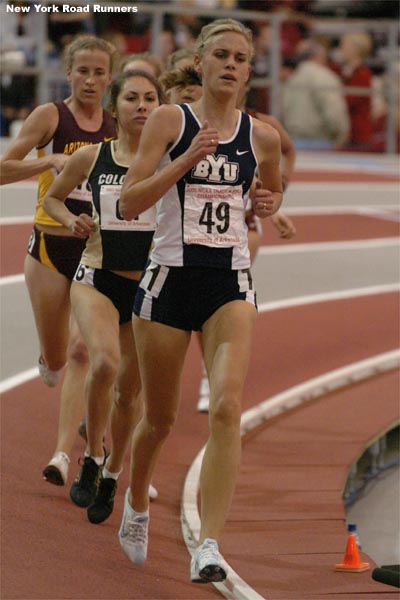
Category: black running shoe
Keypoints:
(84, 489)
(103, 504)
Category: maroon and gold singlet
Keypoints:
(67, 138)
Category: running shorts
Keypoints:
(57, 252)
(186, 297)
(120, 290)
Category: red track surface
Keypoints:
(285, 531)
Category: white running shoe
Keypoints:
(56, 471)
(203, 404)
(153, 494)
(133, 533)
(204, 394)
(207, 563)
(50, 378)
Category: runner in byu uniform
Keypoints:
(198, 164)
(105, 285)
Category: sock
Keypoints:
(109, 475)
(136, 513)
(99, 460)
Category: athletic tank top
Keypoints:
(201, 219)
(67, 138)
(115, 244)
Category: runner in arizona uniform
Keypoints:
(57, 130)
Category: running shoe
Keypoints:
(204, 394)
(103, 504)
(153, 493)
(50, 378)
(133, 534)
(207, 563)
(84, 489)
(56, 471)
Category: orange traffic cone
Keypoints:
(351, 562)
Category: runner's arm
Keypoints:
(76, 170)
(143, 186)
(36, 131)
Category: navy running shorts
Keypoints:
(186, 297)
(59, 253)
(120, 290)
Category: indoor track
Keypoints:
(327, 299)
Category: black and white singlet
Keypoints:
(115, 244)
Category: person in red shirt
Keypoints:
(355, 48)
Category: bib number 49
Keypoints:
(222, 217)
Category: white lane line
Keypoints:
(234, 587)
(19, 379)
(344, 186)
(23, 220)
(11, 279)
(337, 209)
(330, 246)
(328, 297)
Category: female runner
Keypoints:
(198, 162)
(105, 284)
(56, 130)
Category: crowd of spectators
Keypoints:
(314, 68)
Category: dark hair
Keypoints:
(118, 82)
(181, 78)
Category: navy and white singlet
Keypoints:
(201, 219)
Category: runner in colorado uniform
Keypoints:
(197, 162)
(105, 285)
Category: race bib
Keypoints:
(214, 215)
(111, 218)
(82, 192)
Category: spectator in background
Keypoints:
(166, 46)
(354, 50)
(62, 28)
(17, 50)
(258, 97)
(314, 110)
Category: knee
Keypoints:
(127, 395)
(226, 411)
(160, 426)
(104, 368)
(77, 351)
